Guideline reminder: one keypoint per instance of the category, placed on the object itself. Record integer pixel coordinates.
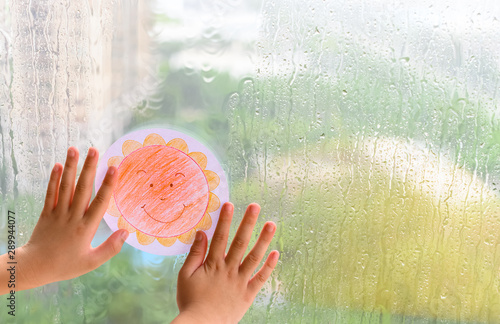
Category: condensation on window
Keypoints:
(368, 131)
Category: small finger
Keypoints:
(101, 200)
(196, 255)
(83, 190)
(252, 260)
(53, 187)
(243, 235)
(67, 186)
(255, 284)
(219, 240)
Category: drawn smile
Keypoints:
(183, 208)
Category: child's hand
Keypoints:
(59, 247)
(220, 288)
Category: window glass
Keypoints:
(369, 131)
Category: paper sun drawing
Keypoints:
(169, 186)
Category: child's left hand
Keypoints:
(59, 248)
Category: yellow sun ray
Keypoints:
(199, 158)
(115, 161)
(179, 144)
(144, 239)
(213, 202)
(188, 237)
(212, 179)
(130, 146)
(166, 241)
(154, 139)
(123, 224)
(205, 223)
(112, 209)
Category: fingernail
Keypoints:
(71, 153)
(198, 236)
(254, 208)
(111, 170)
(56, 167)
(269, 227)
(228, 206)
(124, 235)
(91, 152)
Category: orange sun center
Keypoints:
(161, 191)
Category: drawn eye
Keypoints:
(140, 171)
(151, 185)
(177, 174)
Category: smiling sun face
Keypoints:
(163, 191)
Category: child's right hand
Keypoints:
(220, 288)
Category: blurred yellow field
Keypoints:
(388, 225)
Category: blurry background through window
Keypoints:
(369, 131)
